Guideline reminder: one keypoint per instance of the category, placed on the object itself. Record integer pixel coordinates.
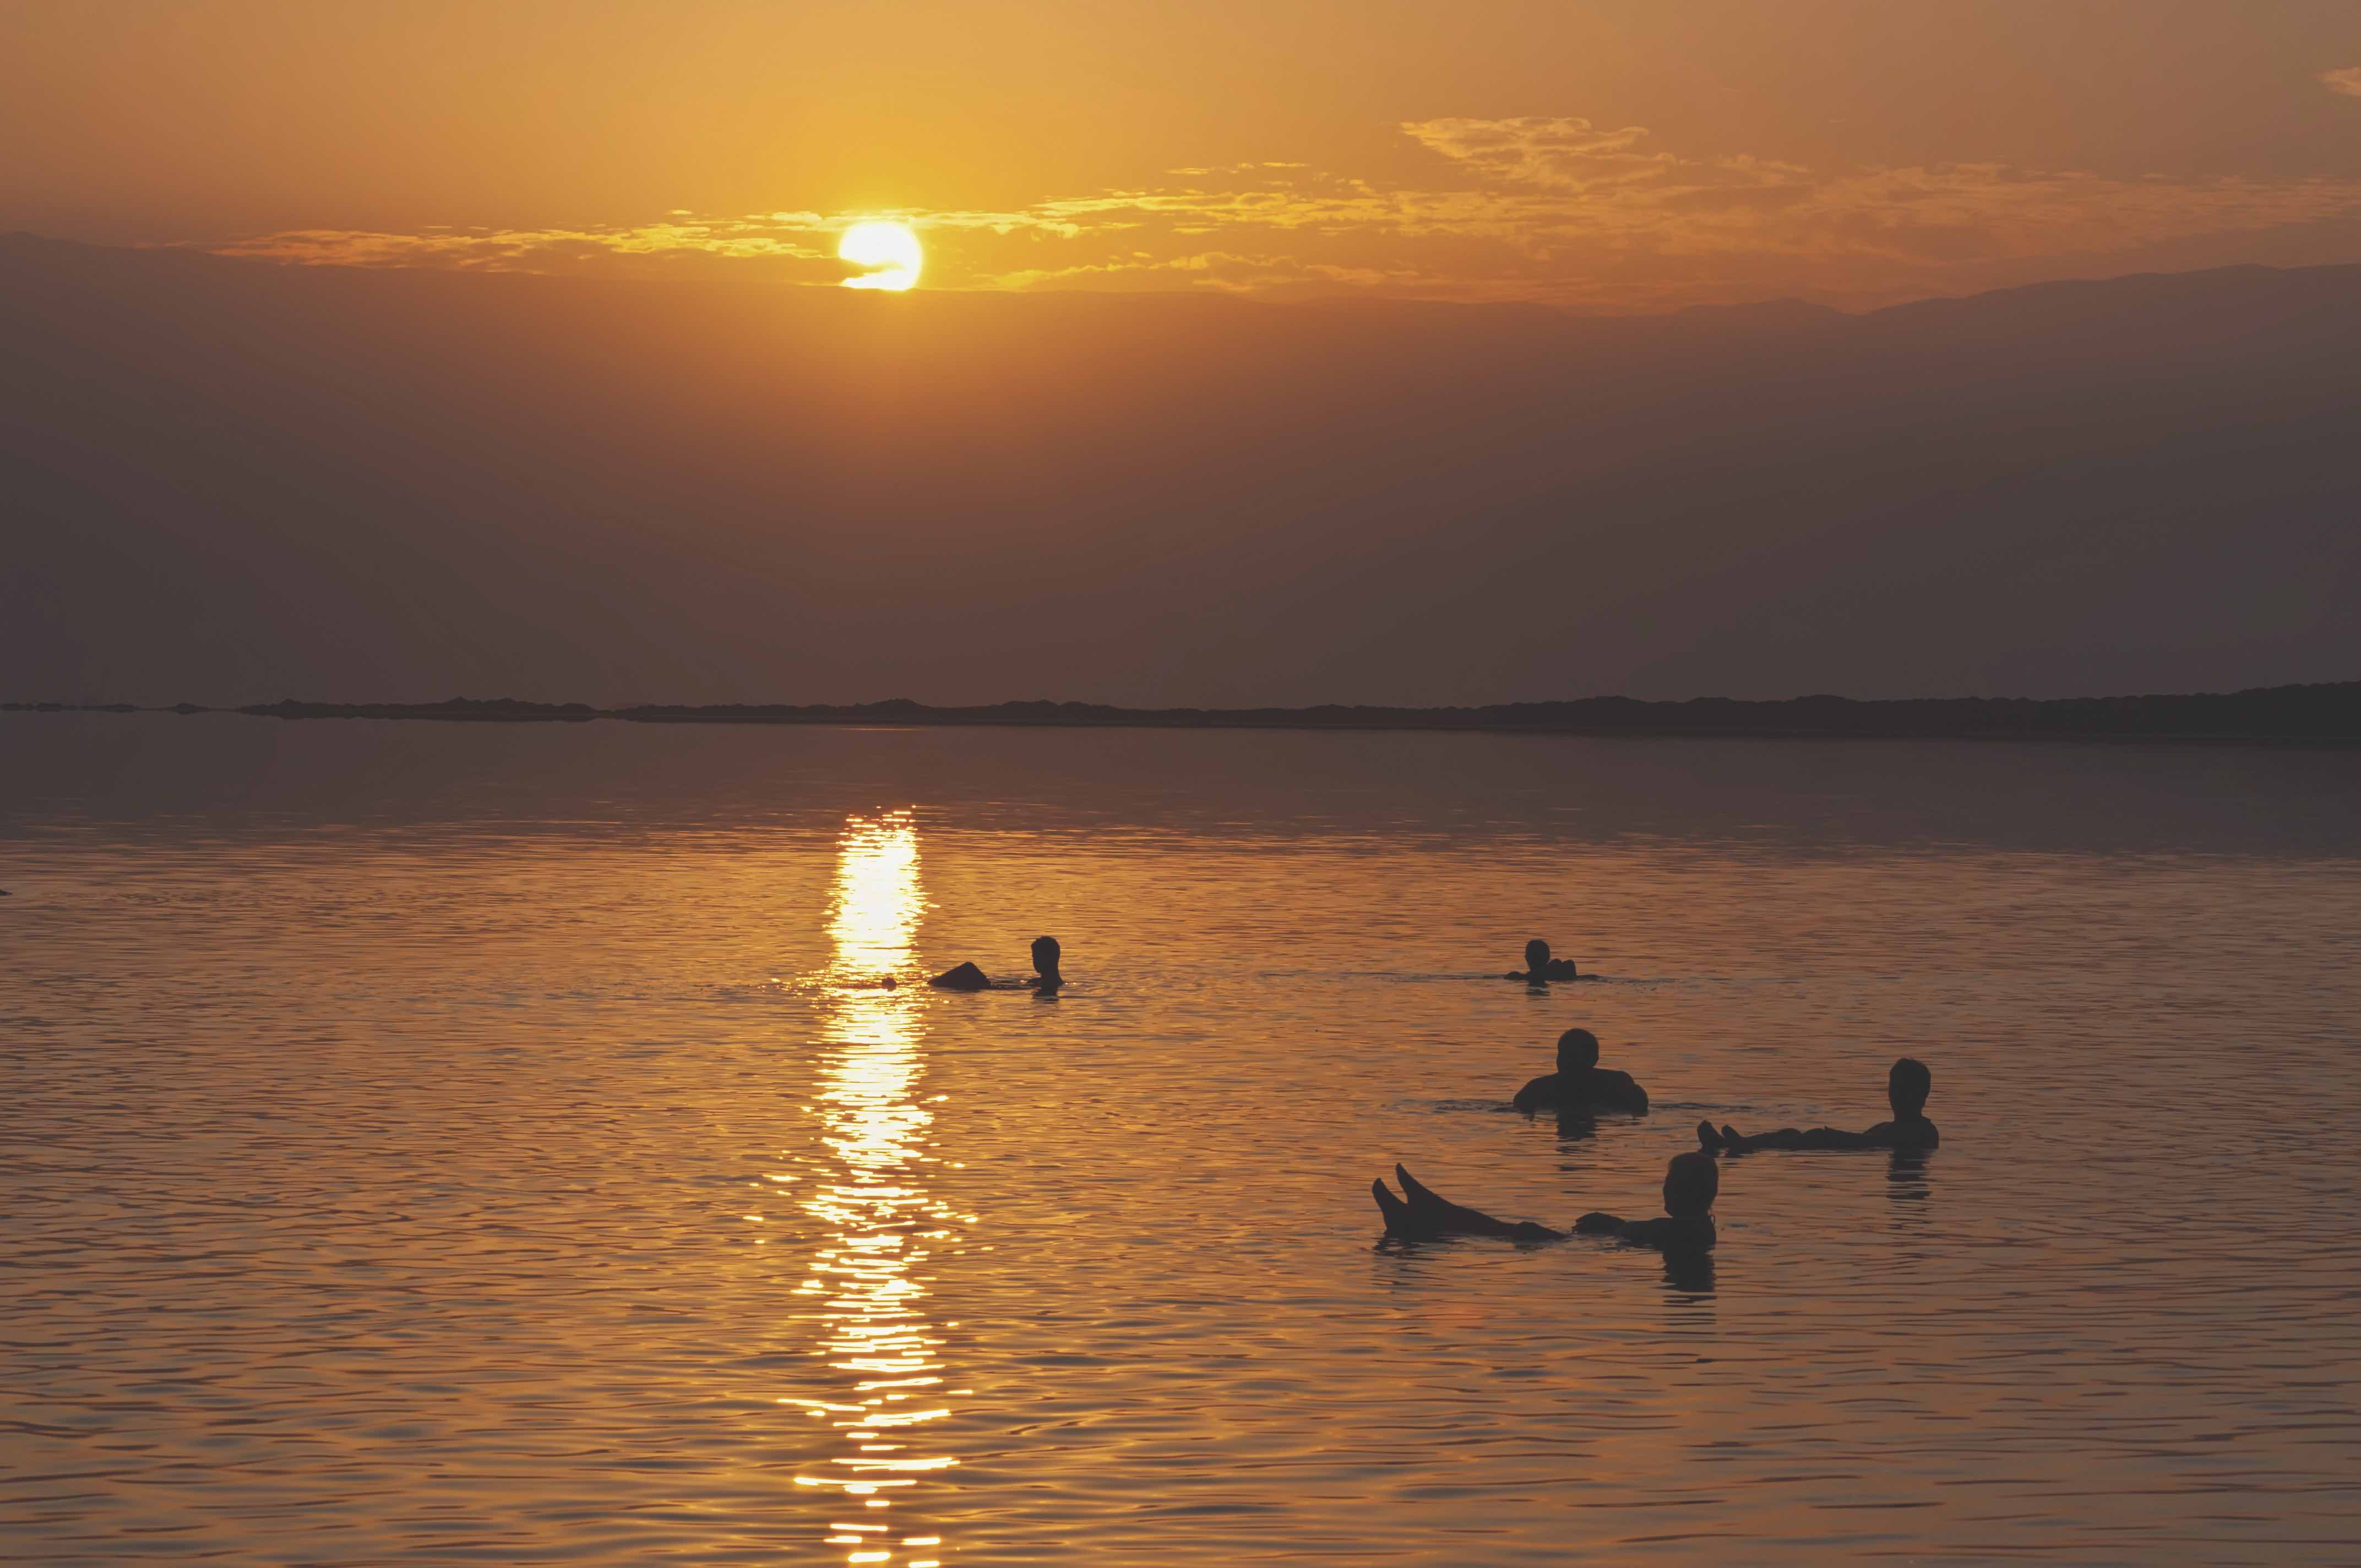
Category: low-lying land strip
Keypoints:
(2328, 712)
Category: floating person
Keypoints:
(1691, 1181)
(1580, 1085)
(966, 977)
(1540, 968)
(1046, 977)
(1907, 1084)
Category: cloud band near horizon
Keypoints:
(1547, 209)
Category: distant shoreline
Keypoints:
(2325, 714)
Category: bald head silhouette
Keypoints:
(1907, 1084)
(1045, 963)
(1692, 1181)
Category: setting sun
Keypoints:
(889, 250)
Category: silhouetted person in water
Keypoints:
(1580, 1083)
(967, 977)
(1906, 1088)
(1046, 978)
(1540, 968)
(1690, 1183)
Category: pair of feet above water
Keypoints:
(1691, 1182)
(1046, 977)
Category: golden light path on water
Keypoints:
(872, 1201)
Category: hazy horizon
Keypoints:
(236, 481)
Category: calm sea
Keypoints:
(430, 1143)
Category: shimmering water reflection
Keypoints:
(494, 1144)
(870, 1200)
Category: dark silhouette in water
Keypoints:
(1906, 1088)
(966, 977)
(1580, 1085)
(1046, 978)
(1691, 1181)
(1540, 968)
(1689, 1270)
(1574, 1122)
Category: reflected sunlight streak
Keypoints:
(871, 1201)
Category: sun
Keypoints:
(889, 250)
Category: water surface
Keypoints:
(489, 1144)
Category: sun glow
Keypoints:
(889, 250)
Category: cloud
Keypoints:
(1540, 208)
(2348, 81)
(1562, 153)
(801, 244)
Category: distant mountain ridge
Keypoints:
(224, 476)
(2319, 713)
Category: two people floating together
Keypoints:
(1692, 1180)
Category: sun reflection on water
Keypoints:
(871, 1201)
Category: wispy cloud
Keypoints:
(1540, 208)
(802, 243)
(2348, 81)
(1565, 154)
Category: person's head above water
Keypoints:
(1691, 1182)
(1906, 1087)
(1045, 957)
(1577, 1052)
(1537, 954)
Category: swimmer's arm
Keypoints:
(1534, 1096)
(1878, 1137)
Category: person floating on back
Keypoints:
(1540, 968)
(1906, 1088)
(1580, 1083)
(1691, 1181)
(1046, 978)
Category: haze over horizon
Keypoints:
(242, 482)
(1261, 354)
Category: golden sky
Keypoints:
(1605, 154)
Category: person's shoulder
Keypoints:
(1621, 1086)
(1671, 1233)
(1541, 1092)
(1913, 1135)
(1696, 1232)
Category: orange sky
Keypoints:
(1614, 154)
